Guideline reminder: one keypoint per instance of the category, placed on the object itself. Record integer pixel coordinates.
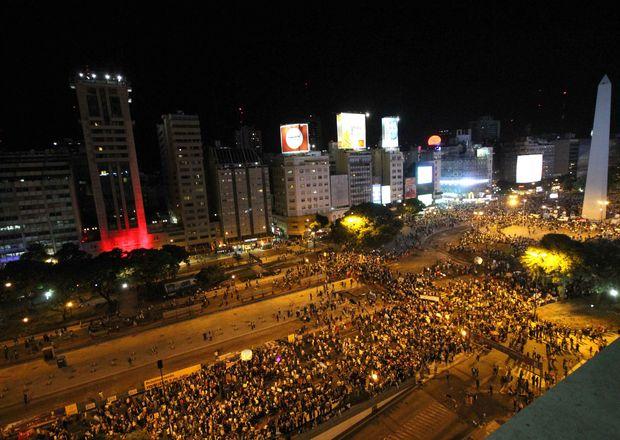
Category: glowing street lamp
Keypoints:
(125, 285)
(25, 320)
(374, 376)
(8, 284)
(69, 304)
(613, 292)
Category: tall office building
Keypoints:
(465, 170)
(301, 189)
(485, 129)
(357, 165)
(110, 151)
(520, 161)
(250, 138)
(180, 144)
(240, 193)
(388, 170)
(37, 202)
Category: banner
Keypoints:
(294, 138)
(171, 377)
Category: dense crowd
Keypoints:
(415, 323)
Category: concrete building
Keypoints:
(301, 189)
(387, 166)
(595, 198)
(425, 185)
(240, 194)
(566, 154)
(250, 138)
(110, 153)
(524, 147)
(357, 165)
(485, 129)
(37, 202)
(180, 144)
(465, 171)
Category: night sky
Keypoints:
(435, 68)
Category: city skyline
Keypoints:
(433, 75)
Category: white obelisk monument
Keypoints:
(595, 199)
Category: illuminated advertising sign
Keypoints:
(425, 174)
(529, 168)
(386, 194)
(410, 189)
(389, 132)
(483, 152)
(376, 193)
(434, 140)
(351, 129)
(427, 199)
(294, 138)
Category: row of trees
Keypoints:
(71, 272)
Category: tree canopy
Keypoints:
(368, 225)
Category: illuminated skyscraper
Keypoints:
(103, 102)
(595, 199)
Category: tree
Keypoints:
(26, 277)
(71, 252)
(367, 225)
(210, 277)
(149, 266)
(103, 272)
(177, 252)
(35, 252)
(319, 222)
(411, 207)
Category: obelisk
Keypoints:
(595, 199)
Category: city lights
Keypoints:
(25, 320)
(513, 201)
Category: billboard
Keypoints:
(386, 194)
(529, 168)
(425, 174)
(376, 193)
(351, 129)
(389, 132)
(294, 138)
(410, 189)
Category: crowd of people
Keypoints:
(412, 323)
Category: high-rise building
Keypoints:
(180, 144)
(527, 160)
(301, 189)
(485, 130)
(388, 170)
(250, 138)
(37, 202)
(240, 194)
(357, 165)
(110, 152)
(465, 170)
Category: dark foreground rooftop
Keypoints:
(586, 405)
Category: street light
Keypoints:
(613, 292)
(8, 284)
(125, 285)
(69, 304)
(25, 320)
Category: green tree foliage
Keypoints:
(149, 266)
(367, 225)
(35, 252)
(210, 277)
(411, 207)
(177, 252)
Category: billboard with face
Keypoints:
(389, 132)
(351, 129)
(294, 138)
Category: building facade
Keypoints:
(525, 147)
(250, 138)
(37, 202)
(485, 130)
(357, 165)
(301, 189)
(388, 170)
(466, 171)
(110, 152)
(184, 177)
(240, 193)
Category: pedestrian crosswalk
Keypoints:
(425, 424)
